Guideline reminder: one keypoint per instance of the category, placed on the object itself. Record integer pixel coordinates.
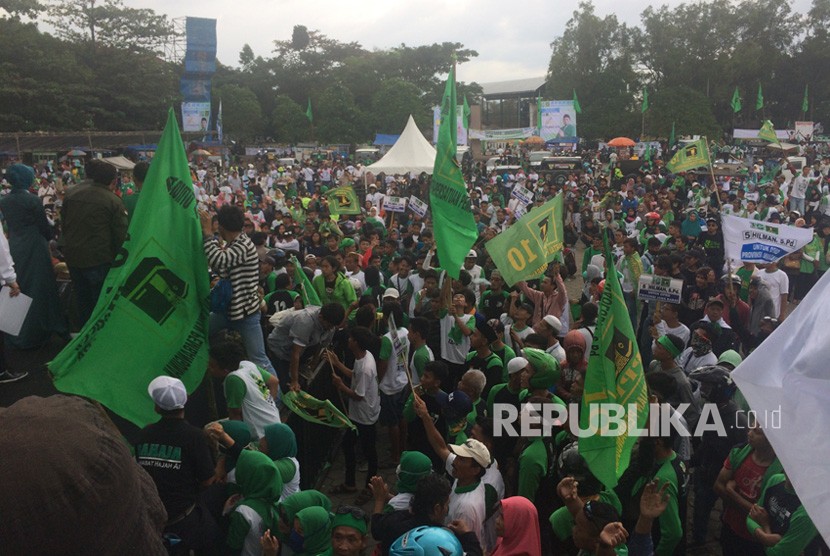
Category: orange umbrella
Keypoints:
(621, 142)
(534, 139)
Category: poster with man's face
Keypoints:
(558, 120)
(195, 116)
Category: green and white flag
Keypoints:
(767, 132)
(321, 412)
(524, 250)
(759, 101)
(454, 227)
(152, 316)
(690, 156)
(614, 376)
(343, 200)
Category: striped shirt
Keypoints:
(239, 262)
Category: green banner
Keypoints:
(317, 411)
(690, 156)
(307, 291)
(454, 227)
(343, 200)
(523, 251)
(614, 376)
(152, 316)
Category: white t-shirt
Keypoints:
(454, 350)
(779, 284)
(394, 380)
(258, 407)
(365, 384)
(681, 331)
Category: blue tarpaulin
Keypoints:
(383, 139)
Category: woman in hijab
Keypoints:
(690, 227)
(311, 535)
(517, 526)
(260, 486)
(280, 443)
(289, 507)
(29, 235)
(414, 465)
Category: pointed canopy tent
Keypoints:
(410, 153)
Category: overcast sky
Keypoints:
(512, 38)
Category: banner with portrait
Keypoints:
(558, 120)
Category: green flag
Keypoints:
(759, 102)
(644, 107)
(343, 200)
(767, 132)
(523, 251)
(736, 101)
(805, 102)
(690, 156)
(577, 107)
(614, 376)
(322, 412)
(769, 175)
(465, 114)
(672, 138)
(152, 316)
(307, 291)
(454, 228)
(539, 114)
(308, 113)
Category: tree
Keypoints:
(340, 120)
(394, 102)
(246, 56)
(21, 8)
(241, 112)
(109, 23)
(289, 122)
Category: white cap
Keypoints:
(473, 449)
(553, 322)
(168, 393)
(472, 253)
(516, 365)
(391, 292)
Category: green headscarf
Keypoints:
(298, 502)
(316, 524)
(413, 466)
(240, 433)
(20, 176)
(545, 368)
(282, 443)
(261, 485)
(348, 520)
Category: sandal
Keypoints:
(364, 496)
(343, 489)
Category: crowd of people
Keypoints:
(432, 359)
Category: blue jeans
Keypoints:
(797, 204)
(87, 284)
(251, 332)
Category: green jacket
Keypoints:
(94, 225)
(342, 293)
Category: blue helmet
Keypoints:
(427, 541)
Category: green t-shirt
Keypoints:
(533, 465)
(235, 388)
(420, 358)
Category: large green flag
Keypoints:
(644, 106)
(308, 113)
(767, 132)
(307, 291)
(690, 156)
(614, 376)
(322, 412)
(577, 106)
(454, 228)
(523, 251)
(736, 101)
(152, 316)
(805, 102)
(343, 200)
(465, 114)
(759, 101)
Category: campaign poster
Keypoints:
(196, 116)
(558, 120)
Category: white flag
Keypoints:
(787, 383)
(753, 241)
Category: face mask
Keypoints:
(700, 346)
(295, 541)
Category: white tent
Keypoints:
(410, 153)
(120, 162)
